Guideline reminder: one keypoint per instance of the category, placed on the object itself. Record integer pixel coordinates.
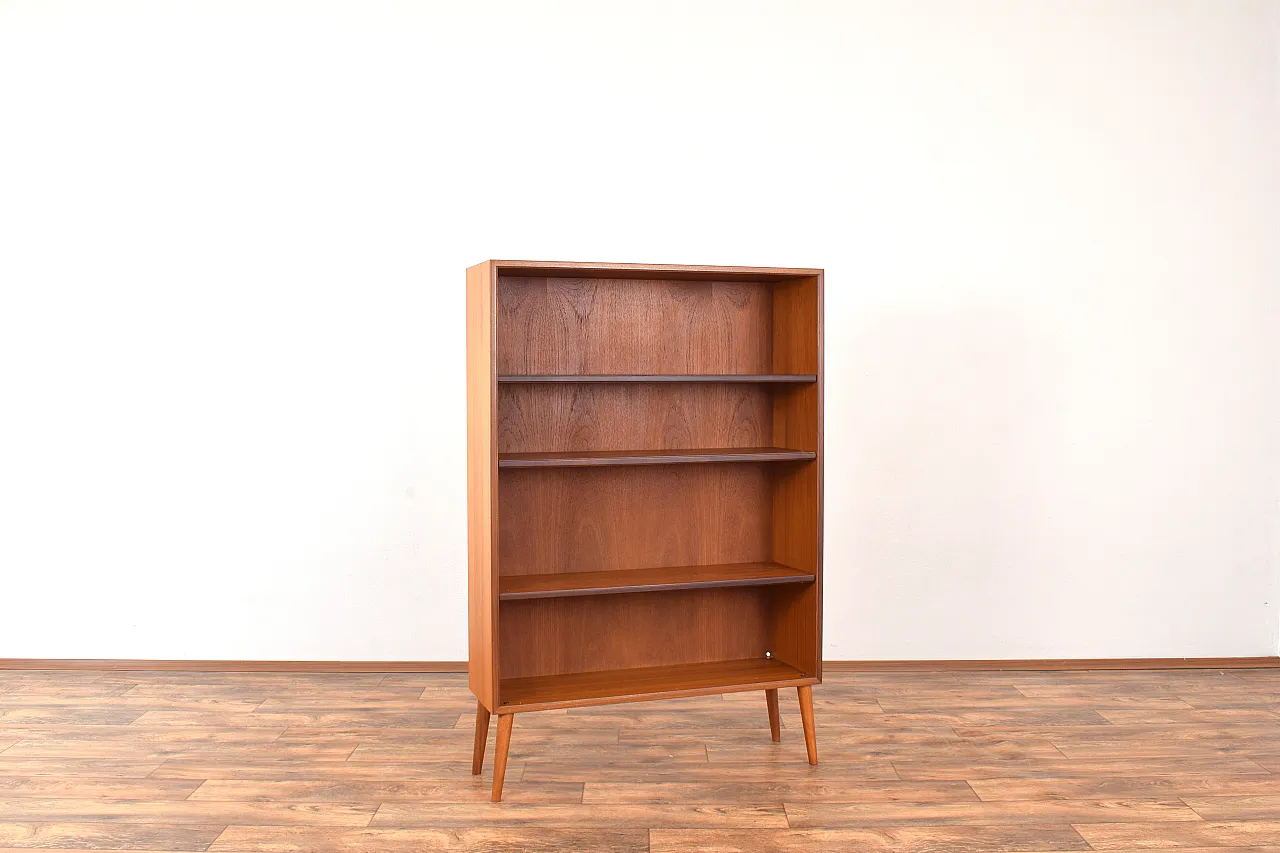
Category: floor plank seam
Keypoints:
(221, 833)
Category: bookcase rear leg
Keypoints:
(482, 736)
(775, 724)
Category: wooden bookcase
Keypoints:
(644, 485)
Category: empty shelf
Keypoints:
(777, 378)
(517, 587)
(650, 682)
(582, 458)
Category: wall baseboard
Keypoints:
(125, 665)
(338, 666)
(1048, 665)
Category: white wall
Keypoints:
(232, 243)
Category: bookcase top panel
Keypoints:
(680, 272)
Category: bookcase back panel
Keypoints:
(602, 325)
(583, 520)
(594, 416)
(554, 636)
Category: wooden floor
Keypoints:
(967, 761)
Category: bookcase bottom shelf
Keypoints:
(541, 692)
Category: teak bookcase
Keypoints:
(644, 486)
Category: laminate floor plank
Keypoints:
(403, 814)
(107, 768)
(491, 839)
(1191, 717)
(426, 718)
(1126, 787)
(139, 734)
(833, 815)
(931, 761)
(762, 792)
(178, 812)
(327, 770)
(673, 771)
(1120, 836)
(107, 836)
(49, 787)
(369, 791)
(956, 839)
(1241, 807)
(942, 768)
(161, 751)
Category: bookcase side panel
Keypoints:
(797, 493)
(482, 485)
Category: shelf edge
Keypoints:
(577, 592)
(568, 460)
(658, 378)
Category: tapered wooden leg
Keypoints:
(775, 725)
(482, 736)
(500, 753)
(806, 717)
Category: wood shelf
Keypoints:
(759, 378)
(570, 584)
(594, 458)
(644, 683)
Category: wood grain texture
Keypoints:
(898, 839)
(559, 636)
(535, 419)
(899, 771)
(610, 519)
(89, 835)
(480, 837)
(482, 484)
(183, 812)
(564, 585)
(602, 325)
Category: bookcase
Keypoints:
(644, 487)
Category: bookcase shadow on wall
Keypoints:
(644, 479)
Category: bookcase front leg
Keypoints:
(500, 753)
(806, 717)
(482, 736)
(775, 724)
